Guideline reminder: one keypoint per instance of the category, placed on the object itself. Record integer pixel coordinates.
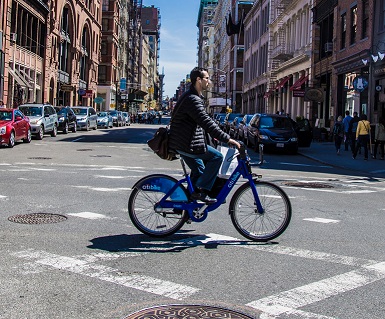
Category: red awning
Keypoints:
(282, 82)
(268, 93)
(297, 85)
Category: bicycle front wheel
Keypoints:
(260, 226)
(144, 211)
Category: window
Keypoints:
(102, 73)
(104, 24)
(105, 5)
(103, 48)
(343, 31)
(365, 18)
(353, 25)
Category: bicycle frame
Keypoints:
(198, 211)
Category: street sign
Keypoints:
(98, 100)
(123, 84)
(81, 92)
(88, 94)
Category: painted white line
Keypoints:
(110, 177)
(282, 250)
(306, 165)
(362, 191)
(322, 220)
(90, 215)
(104, 189)
(108, 274)
(287, 301)
(3, 197)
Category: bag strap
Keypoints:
(176, 109)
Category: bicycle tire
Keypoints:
(141, 206)
(253, 225)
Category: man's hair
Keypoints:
(364, 117)
(355, 113)
(347, 112)
(195, 73)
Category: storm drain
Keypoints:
(308, 185)
(37, 218)
(186, 312)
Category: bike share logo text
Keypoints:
(233, 180)
(149, 187)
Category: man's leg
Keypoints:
(213, 160)
(196, 166)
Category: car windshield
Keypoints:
(248, 118)
(31, 110)
(102, 114)
(79, 111)
(113, 113)
(61, 111)
(5, 116)
(269, 122)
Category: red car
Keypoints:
(14, 126)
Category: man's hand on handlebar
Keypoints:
(234, 142)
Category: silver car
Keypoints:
(127, 119)
(43, 118)
(86, 117)
(105, 120)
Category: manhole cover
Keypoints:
(37, 218)
(40, 158)
(186, 312)
(308, 185)
(84, 149)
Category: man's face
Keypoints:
(205, 81)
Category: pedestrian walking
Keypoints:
(352, 131)
(362, 136)
(379, 138)
(346, 122)
(338, 134)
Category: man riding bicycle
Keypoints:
(189, 125)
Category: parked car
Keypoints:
(105, 120)
(117, 118)
(86, 117)
(14, 126)
(234, 127)
(275, 132)
(42, 118)
(229, 118)
(221, 121)
(242, 128)
(127, 118)
(66, 118)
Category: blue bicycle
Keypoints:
(159, 205)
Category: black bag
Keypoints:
(159, 144)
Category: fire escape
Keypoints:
(133, 41)
(279, 50)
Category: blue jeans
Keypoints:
(204, 167)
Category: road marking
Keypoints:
(288, 301)
(90, 215)
(306, 165)
(105, 189)
(322, 220)
(82, 267)
(3, 197)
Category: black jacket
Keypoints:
(189, 123)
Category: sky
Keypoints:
(178, 40)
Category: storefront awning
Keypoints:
(282, 82)
(297, 85)
(19, 78)
(268, 93)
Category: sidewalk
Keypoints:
(325, 152)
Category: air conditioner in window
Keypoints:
(328, 47)
(13, 37)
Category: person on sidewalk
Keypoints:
(379, 138)
(362, 136)
(338, 133)
(346, 122)
(352, 131)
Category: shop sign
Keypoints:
(360, 83)
(88, 94)
(298, 93)
(314, 94)
(67, 88)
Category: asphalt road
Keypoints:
(92, 263)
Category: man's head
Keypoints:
(355, 114)
(200, 79)
(347, 113)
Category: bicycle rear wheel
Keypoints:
(255, 225)
(144, 213)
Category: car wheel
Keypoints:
(11, 142)
(54, 131)
(88, 126)
(65, 130)
(28, 138)
(74, 129)
(95, 127)
(40, 135)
